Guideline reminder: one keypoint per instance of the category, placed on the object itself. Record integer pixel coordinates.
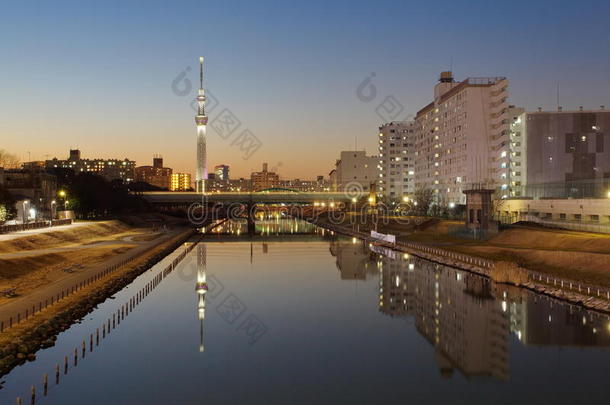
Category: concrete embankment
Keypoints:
(19, 343)
(505, 272)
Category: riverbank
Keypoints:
(19, 343)
(502, 270)
(34, 261)
(580, 256)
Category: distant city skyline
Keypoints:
(99, 78)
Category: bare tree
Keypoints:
(423, 199)
(8, 160)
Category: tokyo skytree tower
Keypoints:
(201, 120)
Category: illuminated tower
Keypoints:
(202, 288)
(201, 120)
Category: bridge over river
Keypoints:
(261, 197)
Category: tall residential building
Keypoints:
(564, 154)
(462, 138)
(201, 120)
(517, 163)
(180, 182)
(355, 171)
(264, 179)
(396, 160)
(222, 172)
(110, 169)
(156, 175)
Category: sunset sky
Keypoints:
(98, 76)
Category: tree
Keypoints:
(423, 198)
(8, 160)
(7, 205)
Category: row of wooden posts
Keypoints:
(107, 326)
(23, 315)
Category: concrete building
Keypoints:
(221, 172)
(518, 163)
(318, 185)
(156, 175)
(462, 138)
(180, 182)
(33, 190)
(566, 154)
(264, 179)
(110, 169)
(355, 171)
(239, 185)
(396, 160)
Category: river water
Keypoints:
(299, 315)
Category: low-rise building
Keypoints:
(354, 172)
(156, 175)
(34, 190)
(110, 169)
(180, 182)
(264, 179)
(221, 172)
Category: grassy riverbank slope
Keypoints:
(580, 256)
(37, 260)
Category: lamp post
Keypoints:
(24, 212)
(62, 194)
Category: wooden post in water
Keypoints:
(66, 365)
(57, 374)
(45, 383)
(33, 395)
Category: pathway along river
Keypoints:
(299, 315)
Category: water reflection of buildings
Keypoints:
(456, 313)
(353, 259)
(201, 288)
(543, 321)
(467, 318)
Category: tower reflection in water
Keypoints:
(201, 288)
(467, 318)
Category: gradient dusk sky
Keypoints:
(98, 75)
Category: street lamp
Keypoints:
(25, 213)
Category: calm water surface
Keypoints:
(297, 315)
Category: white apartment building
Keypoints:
(396, 160)
(462, 138)
(354, 171)
(518, 162)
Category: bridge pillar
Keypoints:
(250, 207)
